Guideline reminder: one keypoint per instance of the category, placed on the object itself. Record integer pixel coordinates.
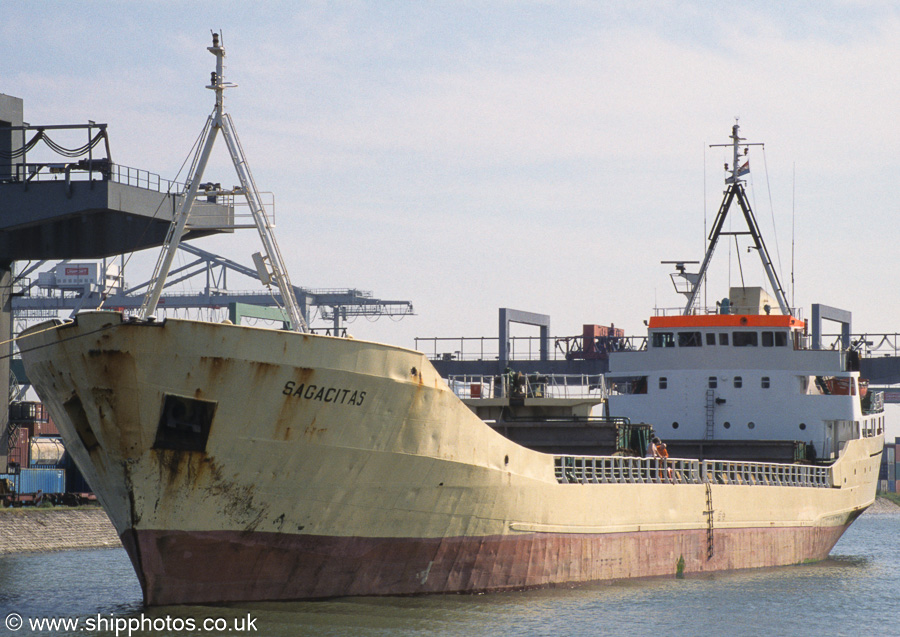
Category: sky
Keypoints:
(541, 156)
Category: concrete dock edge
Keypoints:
(31, 529)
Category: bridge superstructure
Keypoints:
(587, 353)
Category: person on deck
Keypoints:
(655, 445)
(664, 455)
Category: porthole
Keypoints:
(727, 425)
(674, 425)
(802, 425)
(751, 425)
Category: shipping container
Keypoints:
(19, 448)
(28, 412)
(33, 480)
(48, 451)
(41, 428)
(49, 428)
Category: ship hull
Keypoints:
(205, 567)
(248, 464)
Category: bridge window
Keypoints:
(776, 339)
(688, 339)
(663, 339)
(723, 339)
(745, 339)
(710, 339)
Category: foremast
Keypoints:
(735, 191)
(270, 265)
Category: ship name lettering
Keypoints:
(338, 395)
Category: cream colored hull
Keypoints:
(377, 481)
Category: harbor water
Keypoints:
(854, 592)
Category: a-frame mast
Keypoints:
(735, 191)
(271, 264)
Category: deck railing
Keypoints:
(529, 386)
(627, 470)
(519, 348)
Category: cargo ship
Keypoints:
(241, 463)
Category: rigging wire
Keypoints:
(752, 195)
(772, 211)
(737, 252)
(793, 226)
(155, 214)
(730, 229)
(15, 339)
(705, 232)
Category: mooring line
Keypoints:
(62, 340)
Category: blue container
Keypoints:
(34, 480)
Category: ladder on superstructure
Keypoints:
(710, 414)
(270, 266)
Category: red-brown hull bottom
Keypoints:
(216, 566)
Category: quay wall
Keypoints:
(23, 530)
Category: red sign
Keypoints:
(76, 271)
